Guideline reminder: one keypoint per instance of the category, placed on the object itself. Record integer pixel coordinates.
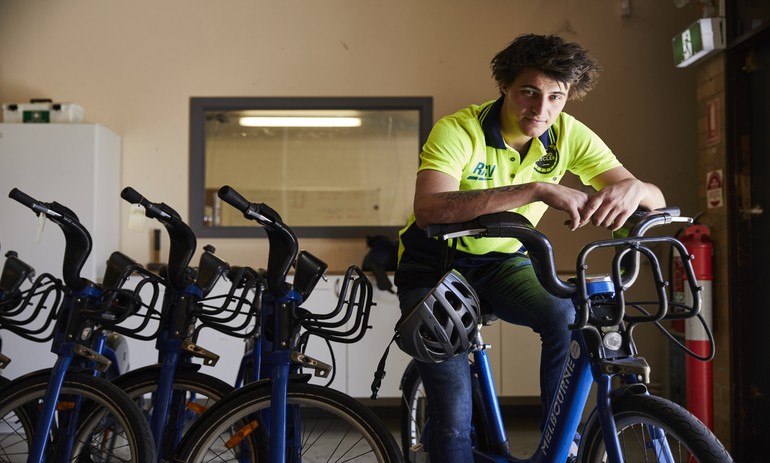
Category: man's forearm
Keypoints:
(654, 198)
(460, 206)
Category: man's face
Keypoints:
(532, 103)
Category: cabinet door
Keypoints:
(364, 356)
(323, 300)
(520, 347)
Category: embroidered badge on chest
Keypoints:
(549, 161)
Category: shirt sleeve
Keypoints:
(448, 149)
(590, 156)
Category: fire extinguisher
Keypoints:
(699, 374)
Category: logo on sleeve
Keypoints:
(482, 172)
(549, 161)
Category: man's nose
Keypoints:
(538, 106)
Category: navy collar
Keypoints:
(489, 118)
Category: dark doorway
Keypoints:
(748, 136)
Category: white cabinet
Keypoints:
(364, 356)
(514, 354)
(77, 165)
(357, 362)
(514, 358)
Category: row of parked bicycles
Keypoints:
(86, 408)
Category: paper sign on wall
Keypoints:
(712, 122)
(714, 189)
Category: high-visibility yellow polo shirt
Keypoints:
(469, 146)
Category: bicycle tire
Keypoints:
(21, 423)
(346, 424)
(414, 408)
(634, 413)
(203, 389)
(108, 418)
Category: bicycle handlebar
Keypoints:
(23, 198)
(78, 240)
(233, 198)
(183, 240)
(283, 242)
(513, 225)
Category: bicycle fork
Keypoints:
(66, 350)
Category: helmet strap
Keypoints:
(444, 257)
(380, 373)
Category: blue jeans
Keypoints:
(515, 295)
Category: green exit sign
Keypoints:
(702, 39)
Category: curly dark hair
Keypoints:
(560, 60)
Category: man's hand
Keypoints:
(566, 199)
(619, 195)
(611, 206)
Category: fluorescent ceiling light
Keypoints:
(300, 121)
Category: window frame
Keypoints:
(197, 190)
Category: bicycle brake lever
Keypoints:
(476, 233)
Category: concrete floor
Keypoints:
(522, 430)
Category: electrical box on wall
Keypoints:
(702, 39)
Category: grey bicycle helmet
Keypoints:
(443, 324)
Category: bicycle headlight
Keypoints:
(612, 340)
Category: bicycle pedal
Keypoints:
(321, 369)
(102, 362)
(209, 358)
(4, 361)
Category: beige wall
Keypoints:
(134, 65)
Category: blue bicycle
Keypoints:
(173, 393)
(68, 413)
(280, 418)
(628, 424)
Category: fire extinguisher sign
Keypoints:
(714, 189)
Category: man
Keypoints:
(505, 155)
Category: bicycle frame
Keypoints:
(588, 360)
(170, 355)
(178, 320)
(272, 356)
(68, 347)
(65, 356)
(566, 409)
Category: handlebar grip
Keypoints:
(23, 198)
(231, 197)
(131, 195)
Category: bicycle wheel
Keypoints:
(111, 427)
(334, 427)
(197, 392)
(414, 408)
(15, 429)
(636, 417)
